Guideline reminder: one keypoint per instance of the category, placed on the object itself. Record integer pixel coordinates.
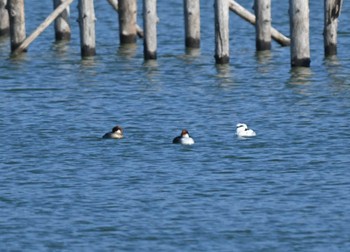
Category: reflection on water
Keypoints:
(61, 47)
(193, 52)
(335, 70)
(19, 58)
(332, 61)
(88, 61)
(127, 51)
(151, 69)
(300, 76)
(264, 59)
(224, 74)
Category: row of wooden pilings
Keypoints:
(12, 20)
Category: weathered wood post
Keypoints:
(17, 22)
(115, 5)
(299, 33)
(127, 21)
(192, 23)
(246, 15)
(222, 53)
(24, 45)
(87, 27)
(262, 10)
(332, 10)
(150, 20)
(62, 26)
(4, 18)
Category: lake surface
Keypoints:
(63, 188)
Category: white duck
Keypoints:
(242, 130)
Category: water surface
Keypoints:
(62, 187)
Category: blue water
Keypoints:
(63, 188)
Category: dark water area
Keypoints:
(64, 188)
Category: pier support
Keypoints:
(17, 22)
(192, 23)
(299, 33)
(87, 27)
(127, 21)
(24, 45)
(4, 19)
(62, 26)
(262, 10)
(115, 5)
(332, 10)
(222, 54)
(249, 17)
(150, 20)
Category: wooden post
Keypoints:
(222, 54)
(4, 19)
(87, 27)
(262, 10)
(249, 17)
(24, 45)
(17, 22)
(299, 33)
(192, 23)
(115, 5)
(331, 13)
(150, 21)
(62, 26)
(127, 21)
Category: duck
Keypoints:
(242, 130)
(184, 138)
(117, 133)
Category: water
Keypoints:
(62, 187)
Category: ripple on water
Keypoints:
(63, 187)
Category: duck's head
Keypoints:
(184, 133)
(241, 126)
(117, 129)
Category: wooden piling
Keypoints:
(87, 27)
(222, 54)
(62, 25)
(24, 45)
(17, 22)
(4, 19)
(127, 21)
(332, 10)
(192, 23)
(150, 20)
(299, 32)
(115, 5)
(249, 17)
(262, 10)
